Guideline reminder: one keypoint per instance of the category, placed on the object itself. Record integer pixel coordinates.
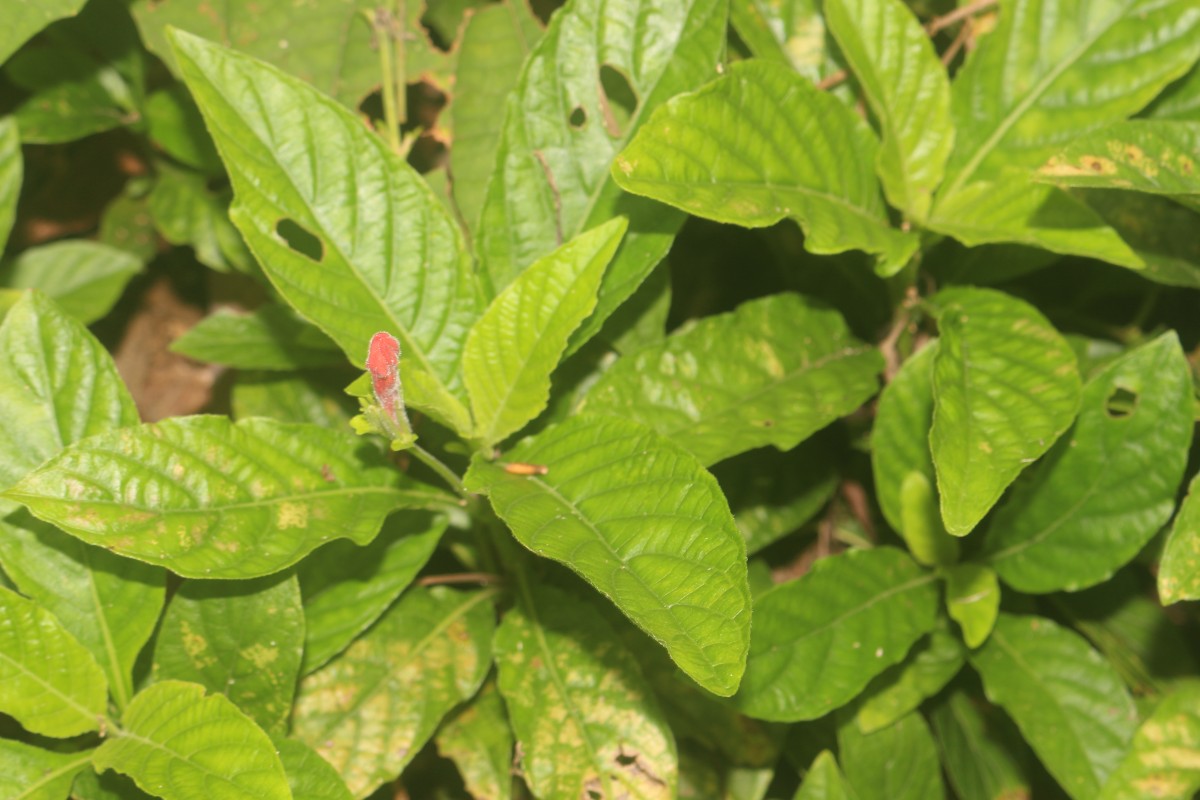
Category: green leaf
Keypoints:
(1180, 100)
(494, 44)
(1179, 568)
(772, 493)
(12, 171)
(90, 785)
(516, 344)
(585, 719)
(254, 661)
(1163, 757)
(1005, 387)
(31, 773)
(774, 371)
(1157, 229)
(972, 600)
(748, 149)
(211, 499)
(85, 278)
(70, 94)
(823, 781)
(179, 744)
(397, 263)
(24, 18)
(791, 32)
(899, 762)
(480, 743)
(271, 338)
(1156, 156)
(173, 122)
(982, 752)
(310, 777)
(1068, 702)
(360, 712)
(896, 691)
(1022, 94)
(1109, 485)
(347, 588)
(895, 63)
(186, 211)
(48, 681)
(312, 397)
(604, 64)
(57, 385)
(108, 603)
(819, 640)
(900, 438)
(639, 519)
(126, 225)
(921, 524)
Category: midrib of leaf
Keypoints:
(83, 712)
(117, 685)
(459, 612)
(859, 609)
(1026, 102)
(412, 350)
(33, 789)
(120, 733)
(550, 490)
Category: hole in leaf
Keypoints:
(578, 118)
(300, 240)
(625, 760)
(1121, 403)
(618, 100)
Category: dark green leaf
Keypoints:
(31, 773)
(24, 18)
(480, 743)
(1157, 229)
(899, 762)
(1005, 387)
(1109, 484)
(71, 94)
(173, 122)
(640, 519)
(187, 212)
(824, 781)
(774, 371)
(372, 708)
(309, 776)
(211, 499)
(819, 640)
(982, 752)
(272, 338)
(85, 278)
(761, 144)
(312, 397)
(1068, 702)
(900, 689)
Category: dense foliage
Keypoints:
(635, 399)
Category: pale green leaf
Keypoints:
(1023, 95)
(310, 776)
(69, 93)
(585, 719)
(982, 752)
(928, 667)
(590, 82)
(1179, 569)
(271, 338)
(1164, 758)
(187, 211)
(893, 60)
(640, 519)
(791, 32)
(1156, 156)
(24, 18)
(819, 640)
(372, 708)
(494, 44)
(899, 762)
(31, 773)
(1068, 702)
(761, 144)
(108, 603)
(313, 397)
(1005, 387)
(178, 744)
(12, 171)
(211, 499)
(242, 639)
(1157, 229)
(515, 346)
(347, 587)
(972, 600)
(57, 385)
(774, 371)
(85, 278)
(824, 781)
(480, 743)
(1109, 485)
(900, 437)
(921, 524)
(349, 234)
(48, 681)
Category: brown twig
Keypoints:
(482, 578)
(891, 357)
(963, 36)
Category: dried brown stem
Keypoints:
(482, 578)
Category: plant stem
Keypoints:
(434, 463)
(484, 578)
(400, 62)
(381, 22)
